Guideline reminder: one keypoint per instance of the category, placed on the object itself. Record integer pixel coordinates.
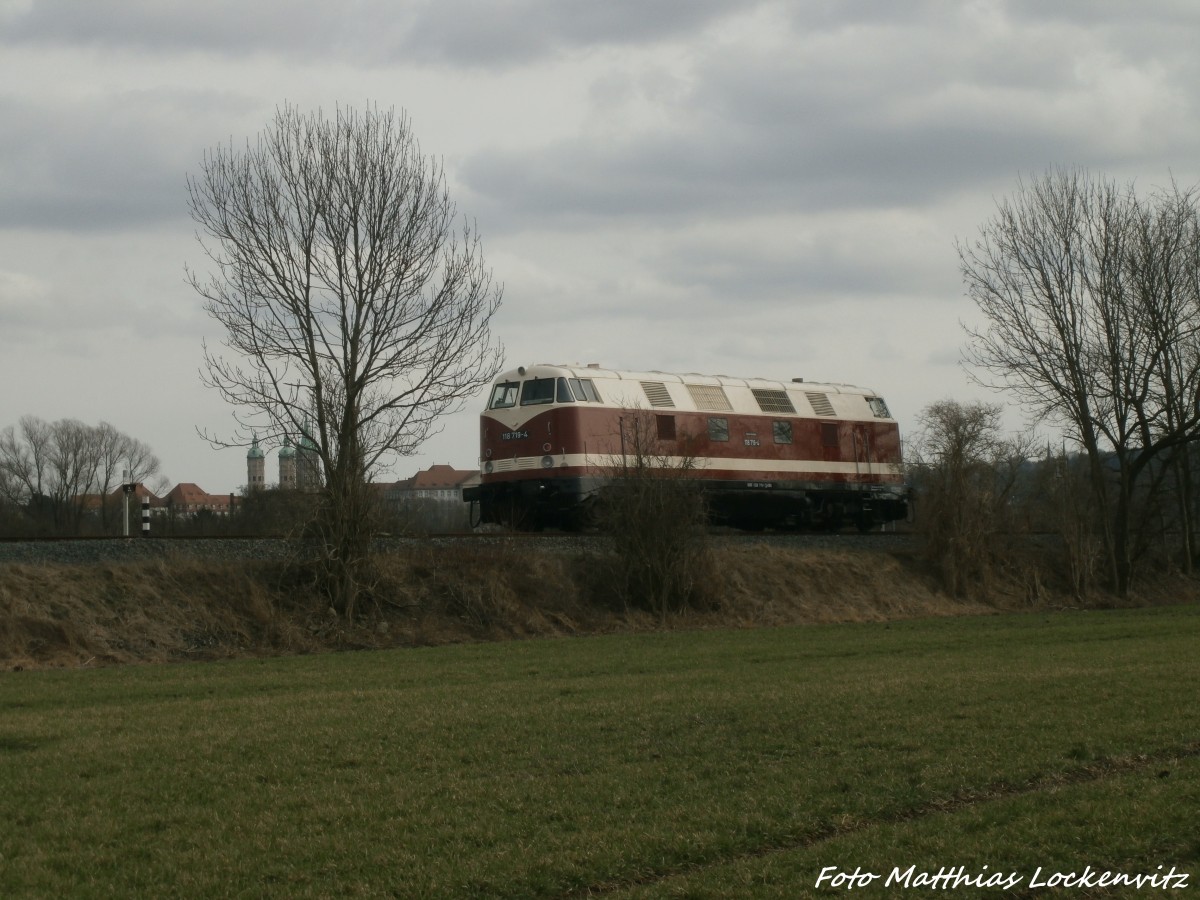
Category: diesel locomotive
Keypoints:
(767, 454)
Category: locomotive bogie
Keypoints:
(766, 453)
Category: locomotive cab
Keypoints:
(532, 473)
(540, 391)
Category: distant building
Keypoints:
(187, 499)
(287, 466)
(308, 462)
(440, 483)
(432, 499)
(139, 491)
(115, 499)
(256, 467)
(299, 465)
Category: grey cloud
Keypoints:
(116, 164)
(21, 297)
(806, 128)
(483, 31)
(227, 26)
(784, 164)
(1120, 13)
(801, 273)
(464, 32)
(1171, 22)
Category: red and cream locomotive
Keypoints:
(768, 454)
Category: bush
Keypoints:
(655, 514)
(965, 472)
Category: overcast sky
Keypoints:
(747, 188)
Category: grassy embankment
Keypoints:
(702, 764)
(185, 608)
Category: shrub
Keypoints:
(654, 512)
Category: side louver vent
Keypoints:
(820, 403)
(656, 393)
(709, 397)
(770, 401)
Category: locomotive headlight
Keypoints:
(547, 462)
(487, 467)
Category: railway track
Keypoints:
(480, 535)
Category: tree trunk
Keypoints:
(345, 524)
(1099, 482)
(1123, 563)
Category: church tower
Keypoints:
(256, 467)
(287, 466)
(308, 463)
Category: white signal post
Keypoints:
(126, 489)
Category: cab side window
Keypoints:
(585, 390)
(504, 395)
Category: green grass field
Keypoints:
(704, 764)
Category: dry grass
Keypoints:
(143, 612)
(186, 609)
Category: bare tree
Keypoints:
(966, 471)
(53, 469)
(1079, 324)
(357, 311)
(48, 467)
(74, 459)
(11, 488)
(141, 464)
(110, 447)
(13, 466)
(1068, 509)
(25, 459)
(121, 459)
(1163, 269)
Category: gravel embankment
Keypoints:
(90, 552)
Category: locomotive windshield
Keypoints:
(536, 391)
(504, 395)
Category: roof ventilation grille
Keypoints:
(656, 393)
(710, 397)
(772, 401)
(820, 403)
